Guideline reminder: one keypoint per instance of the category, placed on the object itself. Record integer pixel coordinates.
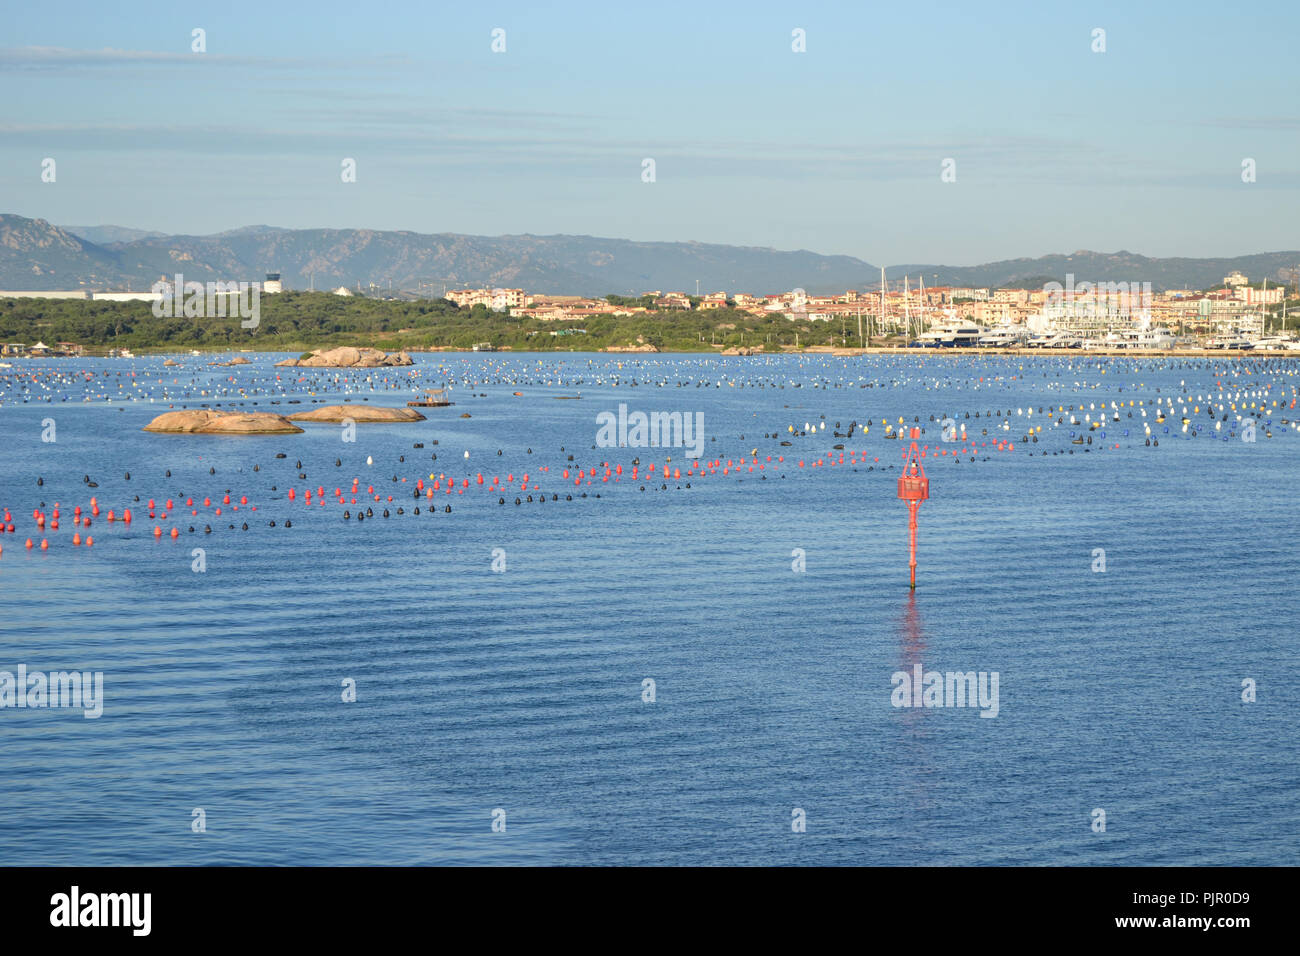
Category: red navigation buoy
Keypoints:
(913, 487)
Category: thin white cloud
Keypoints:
(55, 58)
(1286, 124)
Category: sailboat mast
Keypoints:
(907, 307)
(920, 313)
(882, 298)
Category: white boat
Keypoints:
(1149, 338)
(1157, 337)
(1234, 340)
(1004, 336)
(1055, 340)
(950, 334)
(1277, 343)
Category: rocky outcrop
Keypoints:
(346, 356)
(357, 413)
(207, 422)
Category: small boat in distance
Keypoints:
(433, 398)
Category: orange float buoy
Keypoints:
(89, 541)
(45, 545)
(29, 544)
(76, 539)
(175, 533)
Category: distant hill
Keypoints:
(583, 265)
(35, 255)
(1174, 273)
(103, 235)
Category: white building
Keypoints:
(272, 283)
(74, 294)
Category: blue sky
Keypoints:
(837, 149)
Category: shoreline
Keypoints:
(836, 352)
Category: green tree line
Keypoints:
(297, 321)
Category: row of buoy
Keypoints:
(607, 474)
(77, 540)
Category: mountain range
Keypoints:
(38, 256)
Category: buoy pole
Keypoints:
(913, 507)
(913, 487)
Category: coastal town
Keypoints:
(1239, 314)
(1068, 315)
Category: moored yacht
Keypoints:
(1004, 336)
(950, 334)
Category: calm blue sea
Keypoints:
(522, 690)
